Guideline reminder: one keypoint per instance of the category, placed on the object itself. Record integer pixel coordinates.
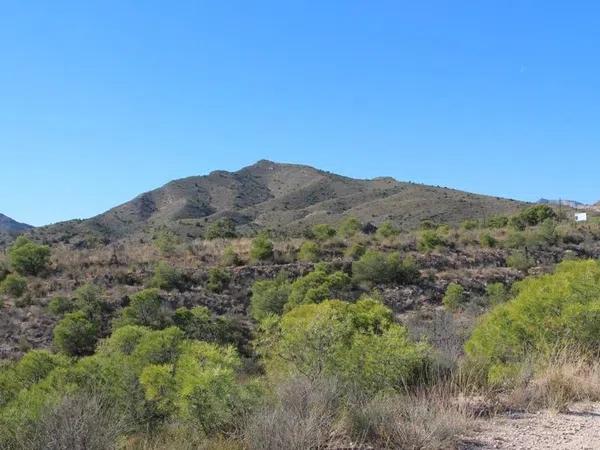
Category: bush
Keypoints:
(430, 240)
(230, 257)
(76, 335)
(262, 248)
(487, 240)
(387, 230)
(269, 296)
(455, 297)
(377, 267)
(560, 309)
(349, 227)
(535, 215)
(356, 343)
(218, 279)
(470, 224)
(520, 260)
(27, 257)
(497, 222)
(88, 298)
(309, 251)
(166, 277)
(323, 231)
(318, 285)
(356, 250)
(222, 228)
(146, 308)
(165, 241)
(13, 285)
(496, 293)
(60, 305)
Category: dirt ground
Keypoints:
(579, 428)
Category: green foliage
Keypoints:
(269, 296)
(60, 305)
(387, 230)
(323, 231)
(165, 241)
(470, 224)
(556, 310)
(309, 252)
(349, 227)
(318, 285)
(222, 228)
(146, 308)
(356, 250)
(230, 257)
(27, 257)
(496, 293)
(430, 240)
(166, 277)
(13, 285)
(487, 240)
(515, 239)
(88, 298)
(377, 267)
(519, 260)
(262, 248)
(357, 343)
(455, 297)
(497, 222)
(76, 334)
(218, 279)
(535, 215)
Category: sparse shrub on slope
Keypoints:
(230, 257)
(222, 228)
(320, 284)
(166, 277)
(455, 297)
(27, 257)
(430, 240)
(323, 231)
(13, 285)
(76, 334)
(560, 309)
(349, 227)
(309, 252)
(387, 230)
(377, 267)
(269, 296)
(218, 279)
(262, 248)
(146, 308)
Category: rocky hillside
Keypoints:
(280, 197)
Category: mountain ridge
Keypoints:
(9, 225)
(280, 197)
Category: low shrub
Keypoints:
(261, 249)
(27, 257)
(377, 267)
(309, 252)
(166, 277)
(218, 279)
(13, 285)
(455, 297)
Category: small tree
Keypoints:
(387, 230)
(230, 257)
(349, 227)
(146, 309)
(13, 285)
(269, 296)
(323, 231)
(309, 251)
(218, 279)
(166, 277)
(222, 228)
(262, 248)
(454, 297)
(27, 257)
(76, 335)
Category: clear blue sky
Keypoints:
(102, 100)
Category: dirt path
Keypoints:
(577, 429)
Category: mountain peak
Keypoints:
(9, 225)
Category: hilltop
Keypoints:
(284, 198)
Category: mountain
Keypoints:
(280, 197)
(8, 225)
(569, 203)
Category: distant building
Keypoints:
(580, 217)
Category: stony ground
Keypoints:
(579, 428)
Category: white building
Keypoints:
(581, 217)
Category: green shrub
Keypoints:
(222, 228)
(356, 343)
(60, 305)
(165, 241)
(470, 224)
(320, 284)
(349, 227)
(387, 230)
(269, 296)
(497, 222)
(27, 257)
(487, 240)
(166, 277)
(323, 231)
(520, 260)
(88, 298)
(146, 308)
(377, 267)
(262, 248)
(549, 312)
(356, 250)
(455, 297)
(13, 285)
(218, 279)
(309, 251)
(515, 239)
(230, 257)
(430, 240)
(535, 215)
(496, 293)
(75, 334)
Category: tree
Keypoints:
(27, 257)
(222, 228)
(377, 267)
(269, 296)
(76, 335)
(262, 248)
(320, 284)
(146, 308)
(13, 285)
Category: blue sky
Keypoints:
(102, 100)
